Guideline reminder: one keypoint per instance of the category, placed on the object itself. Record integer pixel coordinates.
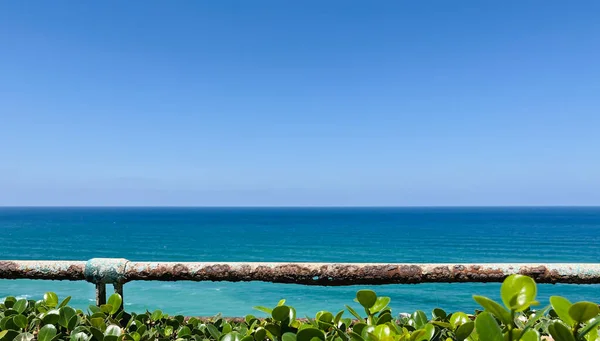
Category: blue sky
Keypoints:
(299, 103)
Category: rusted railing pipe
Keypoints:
(119, 271)
(111, 271)
(338, 274)
(52, 270)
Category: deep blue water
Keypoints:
(386, 235)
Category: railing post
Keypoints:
(119, 290)
(102, 271)
(100, 294)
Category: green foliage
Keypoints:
(115, 302)
(488, 328)
(518, 292)
(583, 311)
(366, 298)
(47, 320)
(50, 299)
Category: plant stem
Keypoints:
(511, 325)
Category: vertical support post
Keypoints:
(100, 294)
(119, 290)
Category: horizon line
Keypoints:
(300, 206)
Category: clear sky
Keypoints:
(299, 102)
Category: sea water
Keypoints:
(386, 235)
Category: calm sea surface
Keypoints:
(297, 234)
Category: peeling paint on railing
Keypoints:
(53, 270)
(102, 271)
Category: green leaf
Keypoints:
(73, 322)
(94, 309)
(591, 326)
(458, 318)
(281, 313)
(214, 332)
(516, 334)
(184, 331)
(10, 323)
(65, 315)
(438, 313)
(359, 327)
(592, 335)
(156, 315)
(135, 336)
(366, 298)
(561, 307)
(367, 333)
(464, 330)
(51, 317)
(338, 317)
(260, 334)
(106, 308)
(65, 302)
(168, 331)
(353, 312)
(308, 334)
(232, 336)
(383, 331)
(355, 336)
(532, 320)
(583, 311)
(98, 335)
(385, 318)
(280, 303)
(560, 332)
(430, 329)
(142, 329)
(417, 335)
(274, 329)
(115, 301)
(8, 335)
(494, 308)
(113, 330)
(445, 325)
(264, 309)
(51, 299)
(420, 319)
(20, 321)
(10, 312)
(9, 302)
(20, 306)
(40, 307)
(487, 328)
(380, 304)
(530, 335)
(518, 292)
(288, 337)
(324, 319)
(80, 336)
(24, 337)
(249, 318)
(47, 332)
(98, 323)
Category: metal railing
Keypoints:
(102, 271)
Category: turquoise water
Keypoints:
(297, 234)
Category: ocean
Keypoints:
(386, 235)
